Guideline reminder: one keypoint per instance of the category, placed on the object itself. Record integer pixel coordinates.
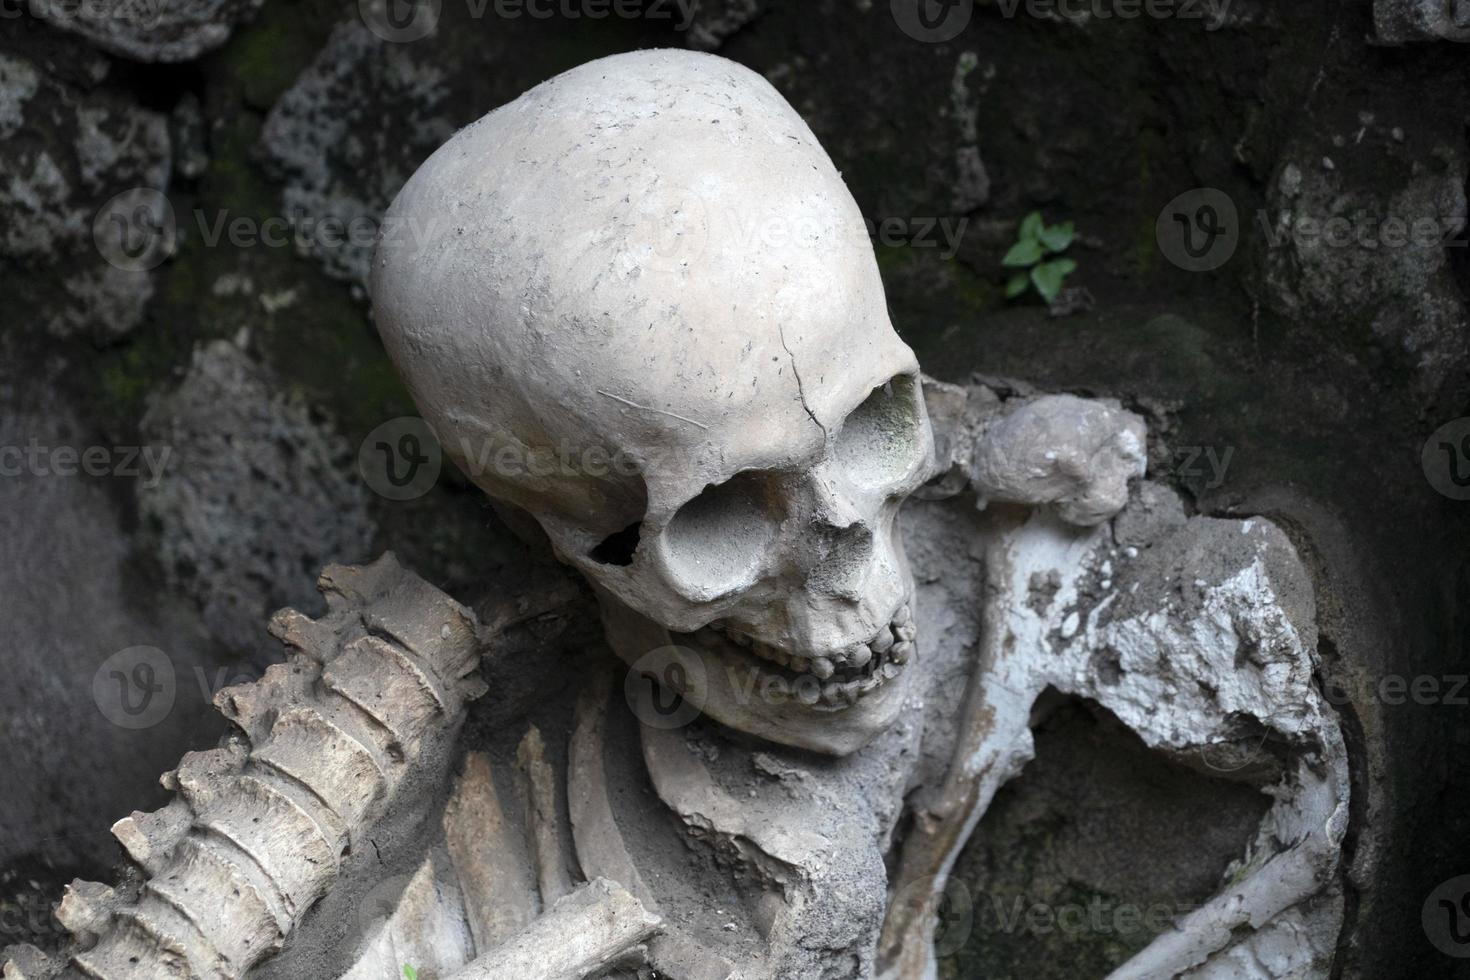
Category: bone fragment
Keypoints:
(494, 870)
(1075, 454)
(588, 929)
(1290, 877)
(543, 816)
(773, 845)
(1247, 636)
(600, 848)
(26, 962)
(993, 742)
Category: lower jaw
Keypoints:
(733, 691)
(741, 694)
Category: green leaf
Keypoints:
(410, 973)
(1031, 227)
(1049, 276)
(1017, 285)
(1057, 237)
(1024, 253)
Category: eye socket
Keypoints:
(876, 445)
(717, 542)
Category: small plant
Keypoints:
(1035, 241)
(409, 973)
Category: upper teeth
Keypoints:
(877, 660)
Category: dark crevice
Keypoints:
(619, 547)
(1457, 250)
(1357, 761)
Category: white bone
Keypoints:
(1234, 636)
(491, 860)
(579, 935)
(640, 304)
(543, 816)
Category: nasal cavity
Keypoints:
(619, 547)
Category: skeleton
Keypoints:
(649, 270)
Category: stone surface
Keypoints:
(150, 30)
(257, 490)
(347, 135)
(1401, 21)
(70, 598)
(68, 152)
(715, 21)
(1377, 262)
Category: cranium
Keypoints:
(642, 306)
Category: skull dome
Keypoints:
(640, 304)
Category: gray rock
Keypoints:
(186, 126)
(716, 20)
(1374, 262)
(347, 135)
(255, 498)
(149, 30)
(1402, 21)
(971, 181)
(81, 202)
(71, 599)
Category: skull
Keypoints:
(639, 304)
